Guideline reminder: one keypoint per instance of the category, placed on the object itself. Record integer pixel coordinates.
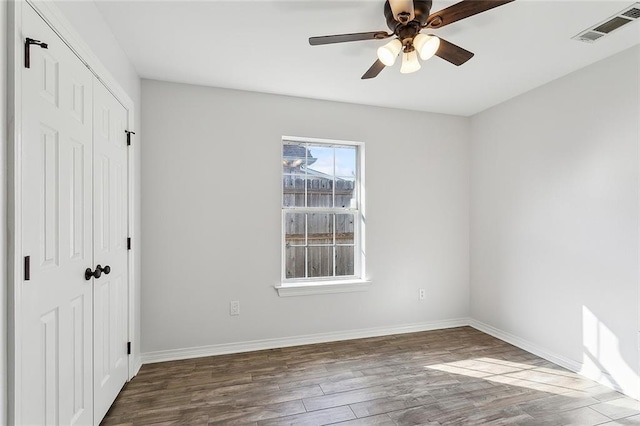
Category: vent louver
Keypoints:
(634, 13)
(609, 25)
(590, 36)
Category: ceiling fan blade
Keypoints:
(461, 10)
(374, 70)
(342, 38)
(452, 53)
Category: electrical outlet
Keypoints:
(234, 307)
(422, 294)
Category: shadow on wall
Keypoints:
(602, 359)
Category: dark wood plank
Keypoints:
(454, 376)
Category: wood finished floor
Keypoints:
(447, 377)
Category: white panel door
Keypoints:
(109, 248)
(55, 322)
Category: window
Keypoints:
(322, 211)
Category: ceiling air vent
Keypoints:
(609, 25)
(589, 36)
(634, 12)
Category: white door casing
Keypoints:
(56, 312)
(110, 248)
(73, 331)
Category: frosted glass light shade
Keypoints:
(426, 45)
(389, 52)
(410, 62)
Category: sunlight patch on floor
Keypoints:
(534, 377)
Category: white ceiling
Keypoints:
(263, 46)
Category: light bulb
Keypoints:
(410, 62)
(388, 53)
(426, 45)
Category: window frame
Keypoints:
(331, 284)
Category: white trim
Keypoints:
(599, 376)
(137, 365)
(525, 344)
(134, 357)
(257, 345)
(14, 203)
(308, 288)
(50, 13)
(335, 142)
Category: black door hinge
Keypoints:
(129, 133)
(27, 47)
(129, 243)
(27, 268)
(128, 348)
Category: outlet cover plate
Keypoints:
(234, 308)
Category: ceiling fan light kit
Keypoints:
(406, 18)
(426, 45)
(389, 52)
(410, 62)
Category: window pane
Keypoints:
(320, 228)
(344, 260)
(321, 160)
(294, 229)
(320, 177)
(320, 261)
(294, 262)
(293, 190)
(344, 228)
(346, 162)
(345, 193)
(294, 158)
(319, 192)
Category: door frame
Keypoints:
(49, 12)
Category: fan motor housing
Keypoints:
(421, 10)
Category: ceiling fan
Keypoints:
(406, 19)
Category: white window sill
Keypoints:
(321, 287)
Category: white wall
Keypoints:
(3, 210)
(86, 20)
(211, 208)
(554, 218)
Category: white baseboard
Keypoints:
(257, 345)
(526, 345)
(599, 376)
(137, 366)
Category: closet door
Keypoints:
(54, 327)
(109, 248)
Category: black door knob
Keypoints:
(88, 273)
(97, 273)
